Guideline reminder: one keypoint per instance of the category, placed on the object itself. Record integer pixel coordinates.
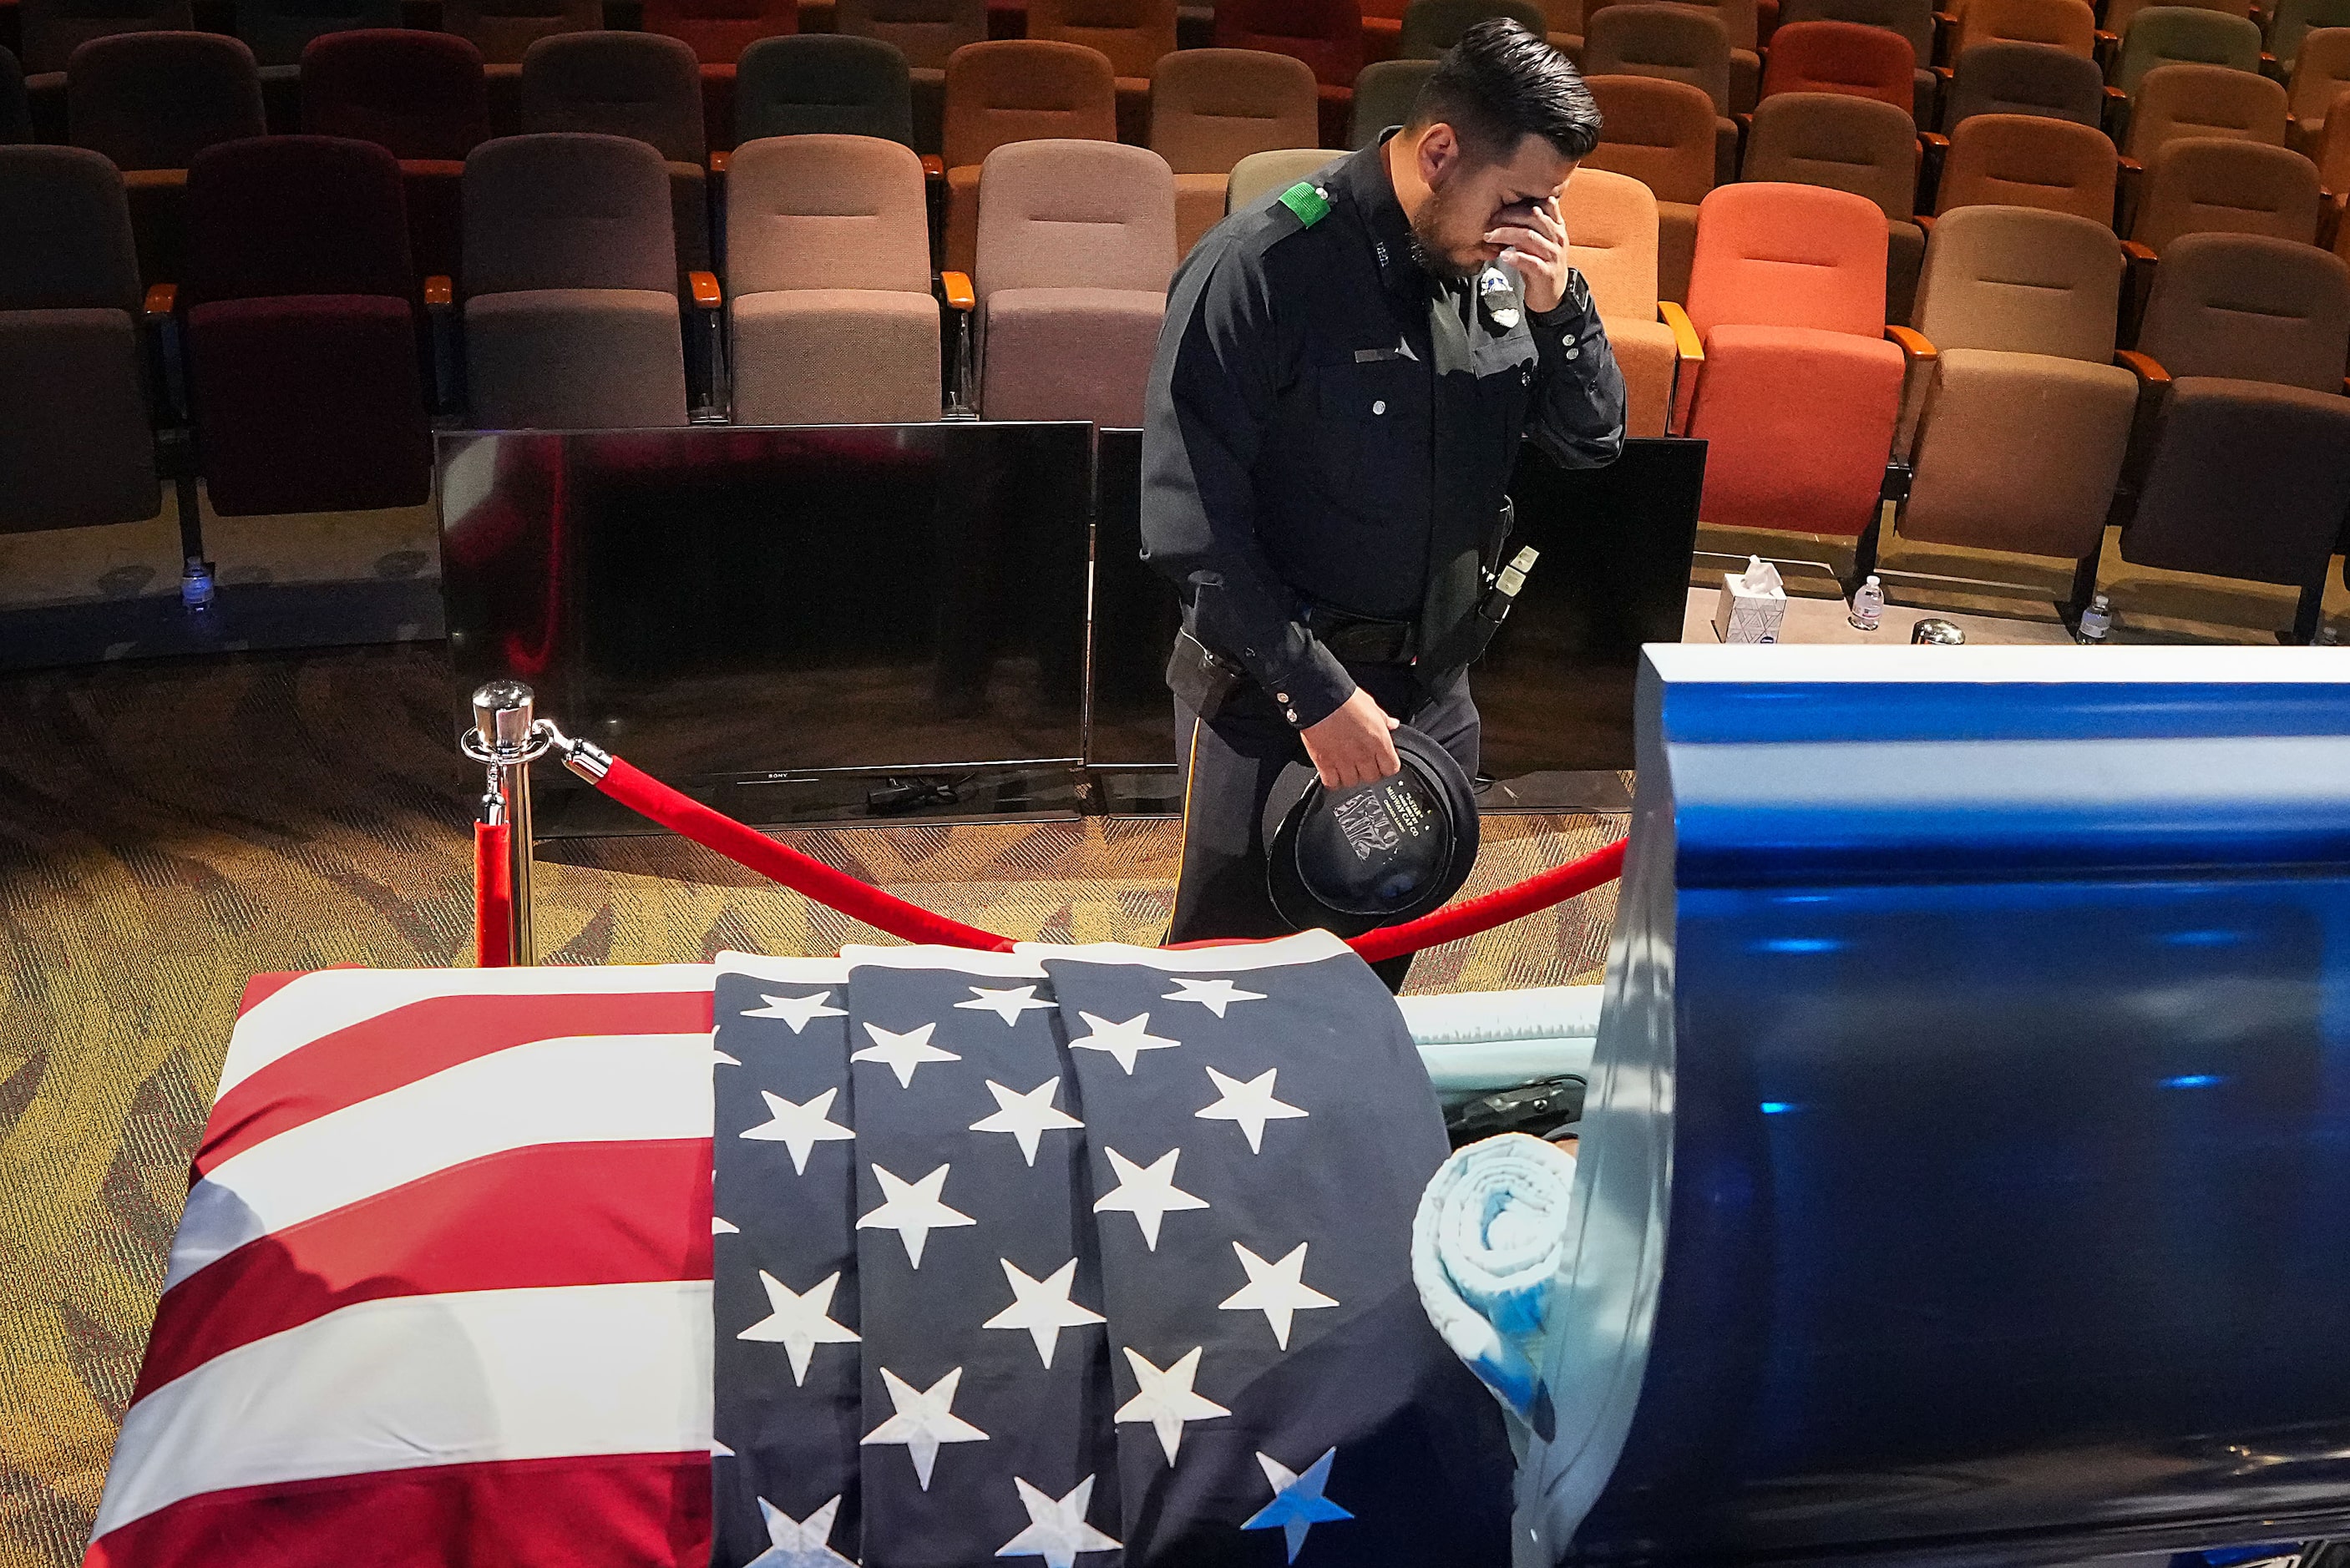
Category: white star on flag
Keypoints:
(1215, 995)
(1026, 1116)
(1250, 1104)
(799, 1543)
(912, 1209)
(1297, 1504)
(1056, 1531)
(719, 1450)
(1125, 1041)
(798, 1011)
(925, 1419)
(799, 1128)
(1166, 1399)
(901, 1053)
(799, 1322)
(1043, 1306)
(1007, 1003)
(1278, 1290)
(719, 1227)
(1147, 1192)
(720, 1059)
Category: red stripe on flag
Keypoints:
(406, 1044)
(553, 1214)
(627, 1511)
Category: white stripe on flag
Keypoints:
(1306, 947)
(960, 960)
(790, 971)
(595, 1088)
(415, 1381)
(318, 1004)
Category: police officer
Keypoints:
(1333, 415)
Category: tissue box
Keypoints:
(1753, 603)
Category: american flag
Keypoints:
(1080, 1256)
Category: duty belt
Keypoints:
(1363, 640)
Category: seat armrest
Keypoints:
(2149, 372)
(719, 162)
(440, 291)
(162, 299)
(166, 357)
(1946, 27)
(933, 166)
(2137, 285)
(1918, 358)
(709, 331)
(2153, 383)
(440, 321)
(962, 365)
(1688, 358)
(1933, 147)
(2114, 104)
(2129, 174)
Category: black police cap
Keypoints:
(1353, 860)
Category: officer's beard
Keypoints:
(1431, 248)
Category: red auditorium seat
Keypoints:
(1843, 57)
(150, 102)
(1325, 34)
(422, 96)
(302, 328)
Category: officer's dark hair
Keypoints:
(1501, 84)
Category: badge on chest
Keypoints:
(1499, 298)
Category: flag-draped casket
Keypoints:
(1084, 1256)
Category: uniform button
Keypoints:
(1280, 696)
(1293, 715)
(1574, 353)
(1380, 407)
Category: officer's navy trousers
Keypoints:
(1230, 764)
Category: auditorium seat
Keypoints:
(1076, 241)
(718, 31)
(1563, 26)
(302, 328)
(2291, 21)
(1675, 43)
(629, 84)
(928, 33)
(1913, 19)
(49, 31)
(279, 30)
(1433, 27)
(1800, 391)
(150, 102)
(1848, 57)
(2247, 474)
(1741, 28)
(570, 298)
(2119, 14)
(2175, 101)
(2026, 416)
(1015, 89)
(828, 264)
(1383, 97)
(2069, 25)
(2023, 161)
(1866, 146)
(421, 95)
(1134, 35)
(77, 432)
(2332, 154)
(2212, 185)
(2024, 79)
(832, 83)
(2321, 71)
(504, 30)
(16, 113)
(1211, 108)
(2183, 35)
(1661, 133)
(1327, 35)
(1262, 173)
(1611, 226)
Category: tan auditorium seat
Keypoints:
(1015, 89)
(2026, 161)
(150, 102)
(643, 85)
(1077, 242)
(1611, 226)
(1675, 43)
(1211, 108)
(1661, 133)
(828, 262)
(1861, 145)
(2208, 184)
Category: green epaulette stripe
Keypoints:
(1310, 204)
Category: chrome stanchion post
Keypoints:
(505, 739)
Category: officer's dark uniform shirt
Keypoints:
(1328, 423)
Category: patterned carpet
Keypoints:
(167, 829)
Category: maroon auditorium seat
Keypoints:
(422, 98)
(1325, 34)
(301, 328)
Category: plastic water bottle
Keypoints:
(196, 584)
(1868, 605)
(2098, 619)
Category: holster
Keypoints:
(1202, 679)
(1462, 644)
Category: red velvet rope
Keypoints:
(651, 798)
(492, 896)
(648, 796)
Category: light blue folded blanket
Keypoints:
(1486, 1243)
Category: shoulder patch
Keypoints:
(1310, 204)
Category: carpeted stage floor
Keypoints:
(167, 829)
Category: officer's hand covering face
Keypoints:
(1471, 197)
